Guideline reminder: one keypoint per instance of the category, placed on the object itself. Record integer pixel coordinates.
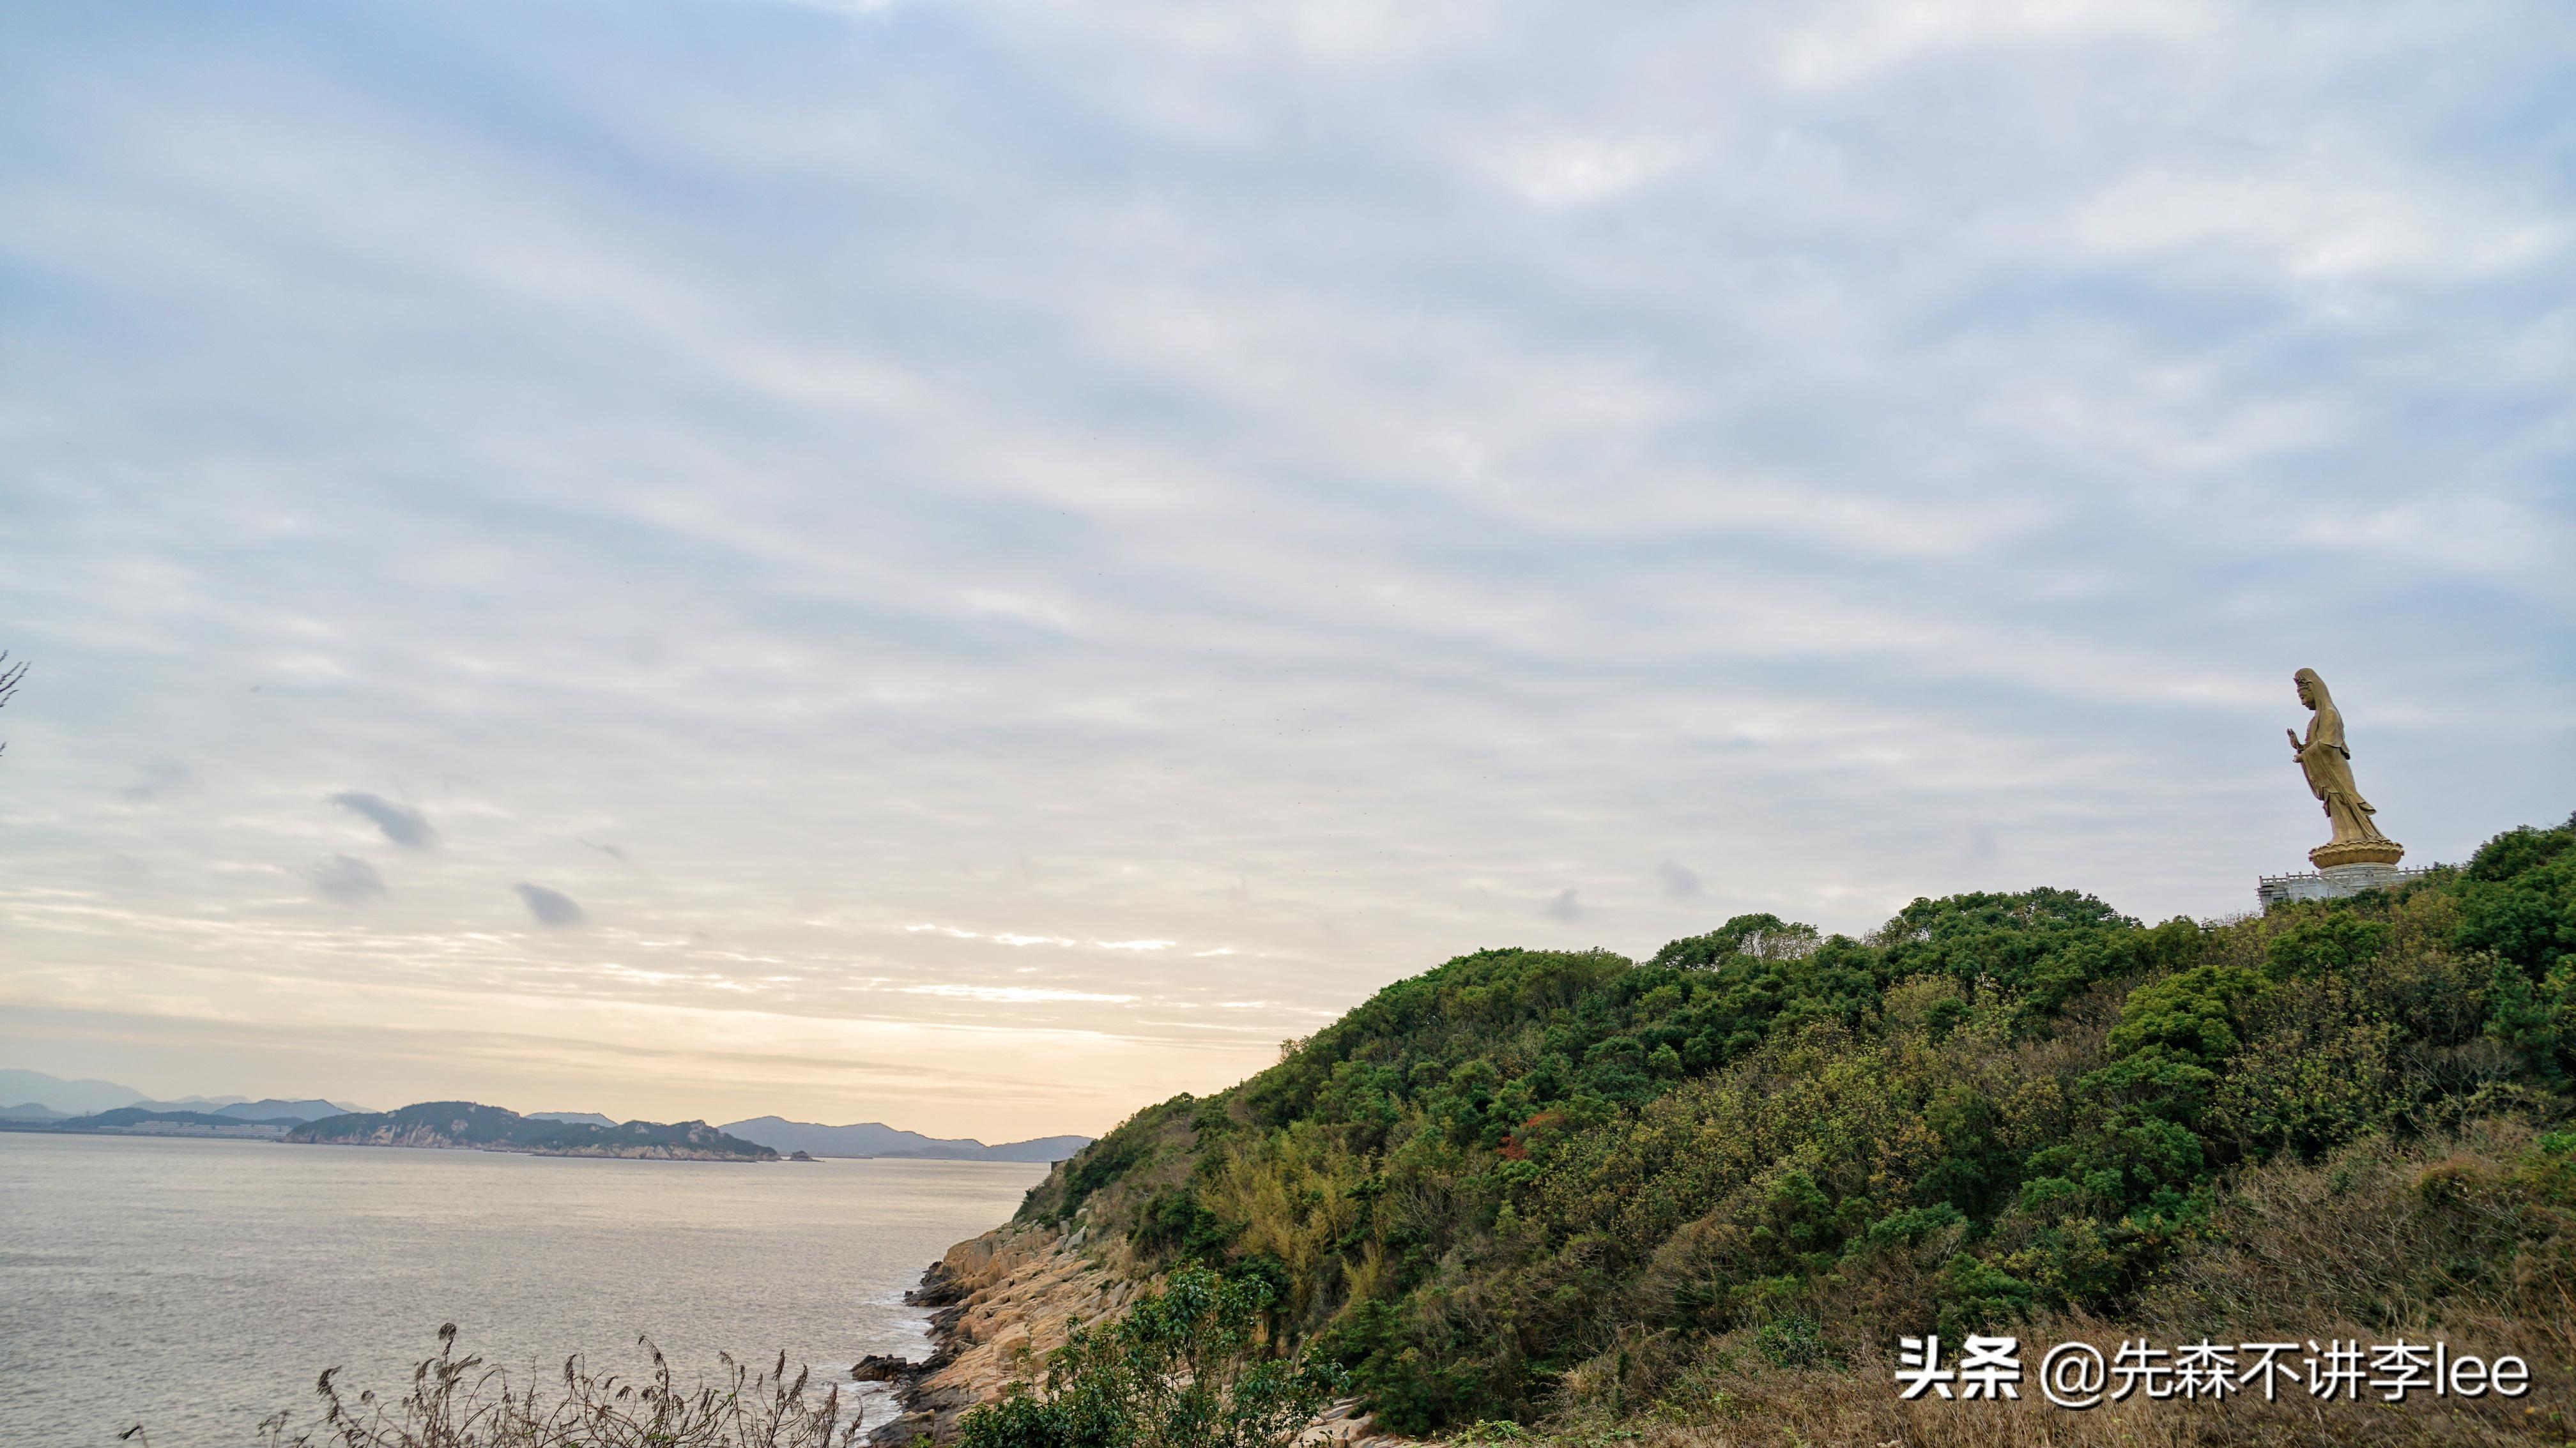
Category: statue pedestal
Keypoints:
(2334, 882)
(2384, 853)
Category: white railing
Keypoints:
(2335, 884)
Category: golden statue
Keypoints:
(2327, 762)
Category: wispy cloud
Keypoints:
(400, 823)
(159, 778)
(552, 907)
(346, 878)
(1015, 938)
(1014, 994)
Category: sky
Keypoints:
(981, 564)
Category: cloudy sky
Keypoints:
(979, 564)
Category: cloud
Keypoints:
(1340, 474)
(1013, 994)
(345, 878)
(1570, 172)
(401, 823)
(1016, 938)
(613, 852)
(1676, 881)
(551, 907)
(159, 777)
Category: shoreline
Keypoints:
(998, 1304)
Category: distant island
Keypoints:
(153, 1121)
(88, 1107)
(471, 1126)
(876, 1139)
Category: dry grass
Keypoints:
(466, 1403)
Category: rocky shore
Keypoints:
(999, 1304)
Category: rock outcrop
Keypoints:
(1000, 1303)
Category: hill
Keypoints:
(867, 1138)
(86, 1097)
(274, 1109)
(1041, 1148)
(465, 1124)
(73, 1098)
(876, 1139)
(152, 1119)
(1573, 1187)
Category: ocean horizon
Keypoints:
(197, 1286)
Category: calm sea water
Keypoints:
(197, 1286)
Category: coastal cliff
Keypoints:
(1000, 1303)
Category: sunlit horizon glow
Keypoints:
(979, 565)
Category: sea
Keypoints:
(195, 1287)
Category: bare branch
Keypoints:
(10, 674)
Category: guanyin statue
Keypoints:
(2327, 762)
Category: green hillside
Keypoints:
(1534, 1180)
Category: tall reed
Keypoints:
(465, 1402)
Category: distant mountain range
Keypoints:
(50, 1103)
(50, 1098)
(875, 1138)
(69, 1098)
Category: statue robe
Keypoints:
(2328, 766)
